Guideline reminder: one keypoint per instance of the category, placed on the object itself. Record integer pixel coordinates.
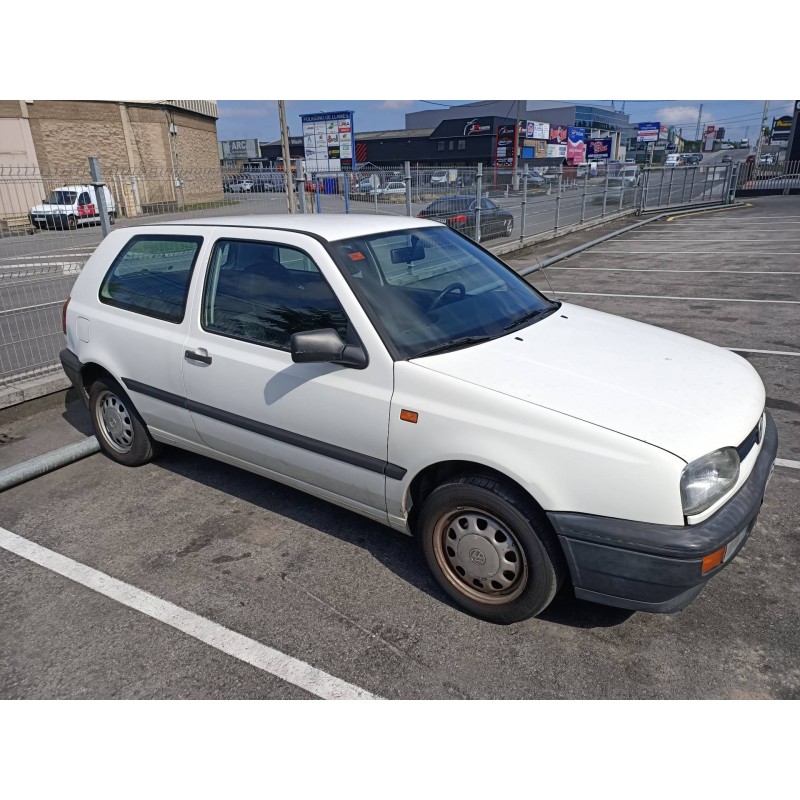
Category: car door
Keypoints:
(322, 427)
(86, 206)
(489, 217)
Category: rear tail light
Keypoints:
(64, 316)
(458, 219)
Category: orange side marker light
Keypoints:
(409, 416)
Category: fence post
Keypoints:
(316, 191)
(583, 200)
(621, 191)
(97, 182)
(669, 188)
(408, 189)
(734, 183)
(346, 192)
(605, 194)
(691, 186)
(301, 185)
(558, 198)
(478, 188)
(524, 203)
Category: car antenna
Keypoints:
(546, 277)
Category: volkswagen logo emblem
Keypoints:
(477, 557)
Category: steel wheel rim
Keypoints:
(115, 422)
(480, 556)
(508, 227)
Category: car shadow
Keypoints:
(76, 413)
(394, 550)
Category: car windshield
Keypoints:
(59, 197)
(430, 288)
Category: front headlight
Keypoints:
(705, 480)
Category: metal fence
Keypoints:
(41, 251)
(768, 177)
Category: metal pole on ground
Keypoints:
(99, 186)
(287, 161)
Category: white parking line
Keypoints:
(288, 669)
(785, 462)
(670, 297)
(686, 271)
(702, 252)
(763, 352)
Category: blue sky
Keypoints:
(258, 119)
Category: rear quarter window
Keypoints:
(151, 276)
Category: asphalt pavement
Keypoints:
(352, 600)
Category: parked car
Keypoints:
(726, 159)
(393, 188)
(395, 368)
(241, 185)
(673, 160)
(535, 180)
(458, 213)
(267, 181)
(69, 207)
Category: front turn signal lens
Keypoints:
(713, 560)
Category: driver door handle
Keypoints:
(201, 354)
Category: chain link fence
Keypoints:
(50, 219)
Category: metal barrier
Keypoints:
(770, 176)
(43, 246)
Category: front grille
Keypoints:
(749, 443)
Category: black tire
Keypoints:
(122, 434)
(112, 217)
(508, 227)
(538, 567)
(72, 223)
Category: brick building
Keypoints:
(151, 152)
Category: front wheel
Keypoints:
(119, 428)
(508, 227)
(490, 548)
(72, 223)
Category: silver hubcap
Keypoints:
(480, 556)
(115, 422)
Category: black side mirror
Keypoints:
(323, 346)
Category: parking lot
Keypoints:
(232, 586)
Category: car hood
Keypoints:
(680, 394)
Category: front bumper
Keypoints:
(72, 367)
(659, 567)
(49, 220)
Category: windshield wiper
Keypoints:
(540, 313)
(453, 344)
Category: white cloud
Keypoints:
(681, 115)
(395, 105)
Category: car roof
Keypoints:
(331, 227)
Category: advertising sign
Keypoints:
(558, 134)
(240, 148)
(504, 153)
(540, 149)
(576, 145)
(648, 131)
(328, 141)
(556, 151)
(599, 149)
(781, 129)
(537, 130)
(663, 133)
(708, 138)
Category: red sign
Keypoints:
(558, 134)
(87, 210)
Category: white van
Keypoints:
(70, 206)
(673, 160)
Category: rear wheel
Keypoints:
(119, 428)
(508, 227)
(72, 223)
(490, 548)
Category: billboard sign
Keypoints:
(328, 141)
(558, 134)
(241, 148)
(781, 129)
(663, 133)
(540, 149)
(648, 131)
(504, 152)
(599, 149)
(708, 138)
(537, 130)
(576, 145)
(556, 151)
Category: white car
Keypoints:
(395, 368)
(69, 207)
(242, 185)
(395, 187)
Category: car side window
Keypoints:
(263, 293)
(151, 276)
(487, 205)
(84, 199)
